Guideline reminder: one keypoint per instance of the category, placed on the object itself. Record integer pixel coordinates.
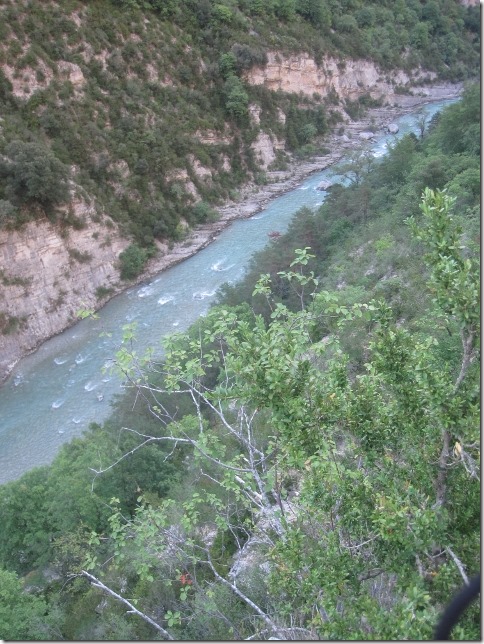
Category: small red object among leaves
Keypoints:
(274, 234)
(185, 579)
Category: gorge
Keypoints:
(239, 319)
(41, 401)
(46, 280)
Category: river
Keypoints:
(53, 394)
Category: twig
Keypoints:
(459, 565)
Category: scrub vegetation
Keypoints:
(111, 100)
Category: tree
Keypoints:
(8, 213)
(358, 166)
(33, 173)
(132, 261)
(227, 65)
(22, 616)
(396, 167)
(459, 131)
(25, 532)
(329, 479)
(236, 98)
(316, 12)
(285, 9)
(455, 282)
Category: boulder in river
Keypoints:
(366, 136)
(324, 185)
(392, 128)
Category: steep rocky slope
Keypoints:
(47, 274)
(348, 79)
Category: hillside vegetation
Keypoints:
(141, 108)
(305, 463)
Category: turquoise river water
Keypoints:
(53, 394)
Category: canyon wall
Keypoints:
(348, 79)
(48, 272)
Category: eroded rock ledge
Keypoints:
(348, 80)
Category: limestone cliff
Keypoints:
(348, 79)
(47, 273)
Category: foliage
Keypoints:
(38, 512)
(303, 125)
(370, 501)
(32, 172)
(202, 213)
(132, 261)
(21, 614)
(454, 277)
(236, 98)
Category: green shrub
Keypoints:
(132, 261)
(10, 324)
(104, 291)
(34, 173)
(246, 57)
(236, 98)
(79, 256)
(8, 213)
(202, 212)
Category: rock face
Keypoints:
(47, 273)
(265, 147)
(349, 79)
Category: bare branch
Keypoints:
(459, 564)
(132, 609)
(469, 463)
(371, 574)
(272, 625)
(468, 357)
(419, 566)
(441, 485)
(290, 630)
(363, 543)
(149, 439)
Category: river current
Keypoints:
(53, 394)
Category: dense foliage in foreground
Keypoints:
(312, 458)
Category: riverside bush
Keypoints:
(33, 173)
(132, 261)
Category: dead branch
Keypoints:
(459, 564)
(98, 584)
